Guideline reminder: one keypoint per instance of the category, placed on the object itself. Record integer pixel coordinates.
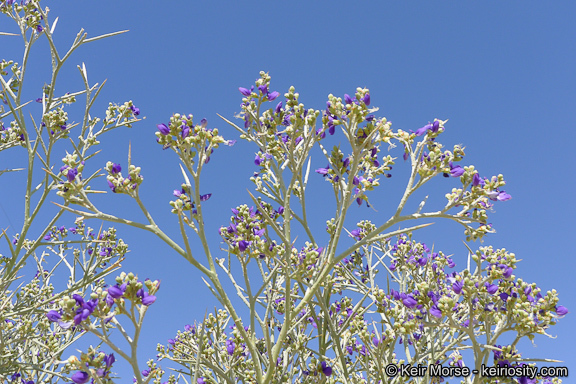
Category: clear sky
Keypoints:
(501, 72)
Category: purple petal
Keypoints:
(476, 179)
(278, 107)
(456, 170)
(135, 110)
(366, 99)
(273, 95)
(491, 288)
(80, 377)
(409, 301)
(71, 175)
(244, 91)
(323, 171)
(116, 168)
(148, 299)
(561, 310)
(53, 315)
(503, 196)
(230, 346)
(243, 244)
(326, 369)
(434, 311)
(163, 128)
(457, 287)
(115, 292)
(421, 131)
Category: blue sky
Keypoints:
(501, 72)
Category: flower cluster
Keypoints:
(11, 136)
(246, 234)
(26, 12)
(75, 309)
(56, 123)
(71, 176)
(121, 115)
(184, 200)
(188, 139)
(120, 184)
(13, 83)
(91, 365)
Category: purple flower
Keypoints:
(263, 88)
(111, 185)
(421, 131)
(82, 314)
(147, 299)
(433, 127)
(278, 107)
(356, 232)
(53, 315)
(457, 287)
(435, 311)
(115, 291)
(80, 377)
(244, 91)
(348, 99)
(408, 300)
(163, 128)
(109, 360)
(503, 196)
(561, 310)
(456, 170)
(230, 346)
(205, 197)
(323, 171)
(243, 244)
(273, 95)
(71, 175)
(477, 180)
(135, 110)
(116, 168)
(326, 369)
(507, 271)
(491, 288)
(366, 99)
(185, 131)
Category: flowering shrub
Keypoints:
(341, 310)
